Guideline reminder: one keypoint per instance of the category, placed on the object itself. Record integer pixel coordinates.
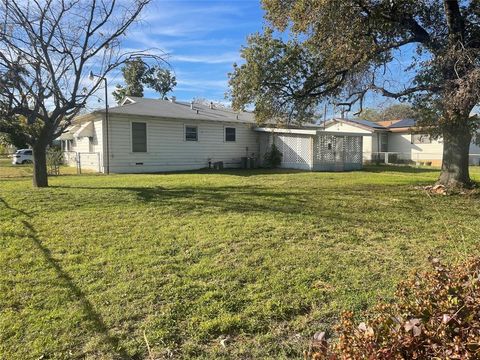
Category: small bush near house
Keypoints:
(436, 315)
(273, 157)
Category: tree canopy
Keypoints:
(342, 50)
(391, 112)
(133, 72)
(138, 74)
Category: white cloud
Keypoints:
(229, 57)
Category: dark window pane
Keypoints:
(139, 137)
(191, 133)
(384, 142)
(230, 134)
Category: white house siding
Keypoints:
(401, 143)
(370, 141)
(167, 149)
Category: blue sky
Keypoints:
(201, 40)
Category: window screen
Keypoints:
(421, 139)
(230, 134)
(139, 137)
(191, 133)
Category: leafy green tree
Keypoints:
(133, 72)
(137, 74)
(160, 80)
(342, 49)
(392, 112)
(13, 132)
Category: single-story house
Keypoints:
(396, 141)
(147, 135)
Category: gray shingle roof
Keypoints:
(367, 123)
(180, 110)
(403, 123)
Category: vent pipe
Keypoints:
(211, 105)
(191, 105)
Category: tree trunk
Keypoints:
(40, 177)
(456, 148)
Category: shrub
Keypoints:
(273, 157)
(435, 315)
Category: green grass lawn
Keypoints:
(94, 264)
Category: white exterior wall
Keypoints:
(402, 143)
(167, 149)
(369, 141)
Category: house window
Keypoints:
(230, 134)
(139, 137)
(383, 142)
(191, 133)
(421, 139)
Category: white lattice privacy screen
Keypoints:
(337, 153)
(323, 152)
(296, 151)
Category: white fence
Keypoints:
(411, 158)
(83, 160)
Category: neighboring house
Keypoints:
(147, 135)
(397, 141)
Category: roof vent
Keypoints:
(211, 105)
(172, 99)
(197, 111)
(191, 105)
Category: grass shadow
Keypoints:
(98, 325)
(239, 199)
(404, 169)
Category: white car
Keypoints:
(22, 156)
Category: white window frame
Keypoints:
(185, 132)
(225, 134)
(131, 137)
